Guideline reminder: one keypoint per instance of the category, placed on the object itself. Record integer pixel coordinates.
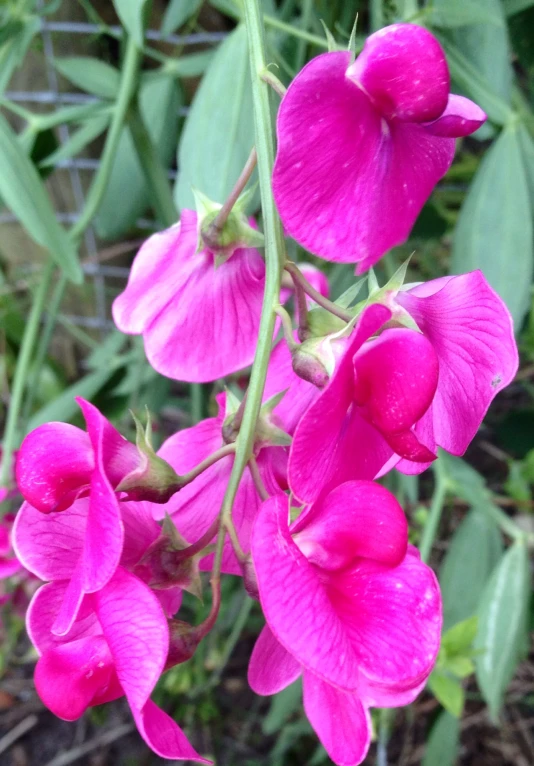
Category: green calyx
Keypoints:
(223, 238)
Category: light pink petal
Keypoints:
(159, 269)
(404, 71)
(49, 546)
(340, 720)
(300, 394)
(271, 667)
(358, 519)
(135, 628)
(295, 602)
(396, 377)
(472, 334)
(460, 118)
(163, 735)
(42, 613)
(393, 618)
(199, 322)
(71, 677)
(53, 465)
(348, 185)
(72, 602)
(317, 450)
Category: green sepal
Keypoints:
(330, 39)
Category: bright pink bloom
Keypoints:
(117, 645)
(361, 145)
(9, 563)
(196, 506)
(347, 603)
(199, 322)
(471, 331)
(379, 389)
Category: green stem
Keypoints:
(187, 478)
(307, 11)
(507, 525)
(271, 21)
(153, 169)
(274, 260)
(377, 15)
(434, 516)
(300, 281)
(21, 372)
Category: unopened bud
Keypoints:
(311, 363)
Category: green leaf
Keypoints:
(443, 742)
(64, 408)
(127, 195)
(24, 194)
(177, 13)
(283, 705)
(512, 7)
(476, 84)
(14, 49)
(90, 74)
(219, 132)
(494, 229)
(77, 141)
(448, 691)
(464, 575)
(503, 615)
(132, 16)
(458, 639)
(458, 13)
(190, 65)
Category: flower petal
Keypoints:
(472, 334)
(460, 118)
(163, 735)
(50, 546)
(136, 630)
(54, 462)
(395, 379)
(271, 667)
(393, 617)
(42, 613)
(317, 449)
(348, 185)
(340, 720)
(295, 602)
(404, 71)
(72, 676)
(358, 519)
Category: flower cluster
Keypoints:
(351, 393)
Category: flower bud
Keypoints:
(311, 363)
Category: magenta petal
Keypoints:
(348, 185)
(460, 118)
(104, 534)
(317, 449)
(135, 628)
(72, 601)
(384, 695)
(42, 613)
(404, 71)
(140, 530)
(295, 602)
(393, 617)
(163, 735)
(342, 723)
(54, 462)
(395, 380)
(472, 334)
(49, 546)
(69, 677)
(199, 322)
(271, 667)
(358, 519)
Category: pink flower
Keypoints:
(361, 145)
(379, 389)
(197, 505)
(199, 322)
(472, 333)
(349, 605)
(118, 645)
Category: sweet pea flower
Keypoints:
(118, 645)
(472, 333)
(349, 605)
(199, 320)
(197, 505)
(362, 144)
